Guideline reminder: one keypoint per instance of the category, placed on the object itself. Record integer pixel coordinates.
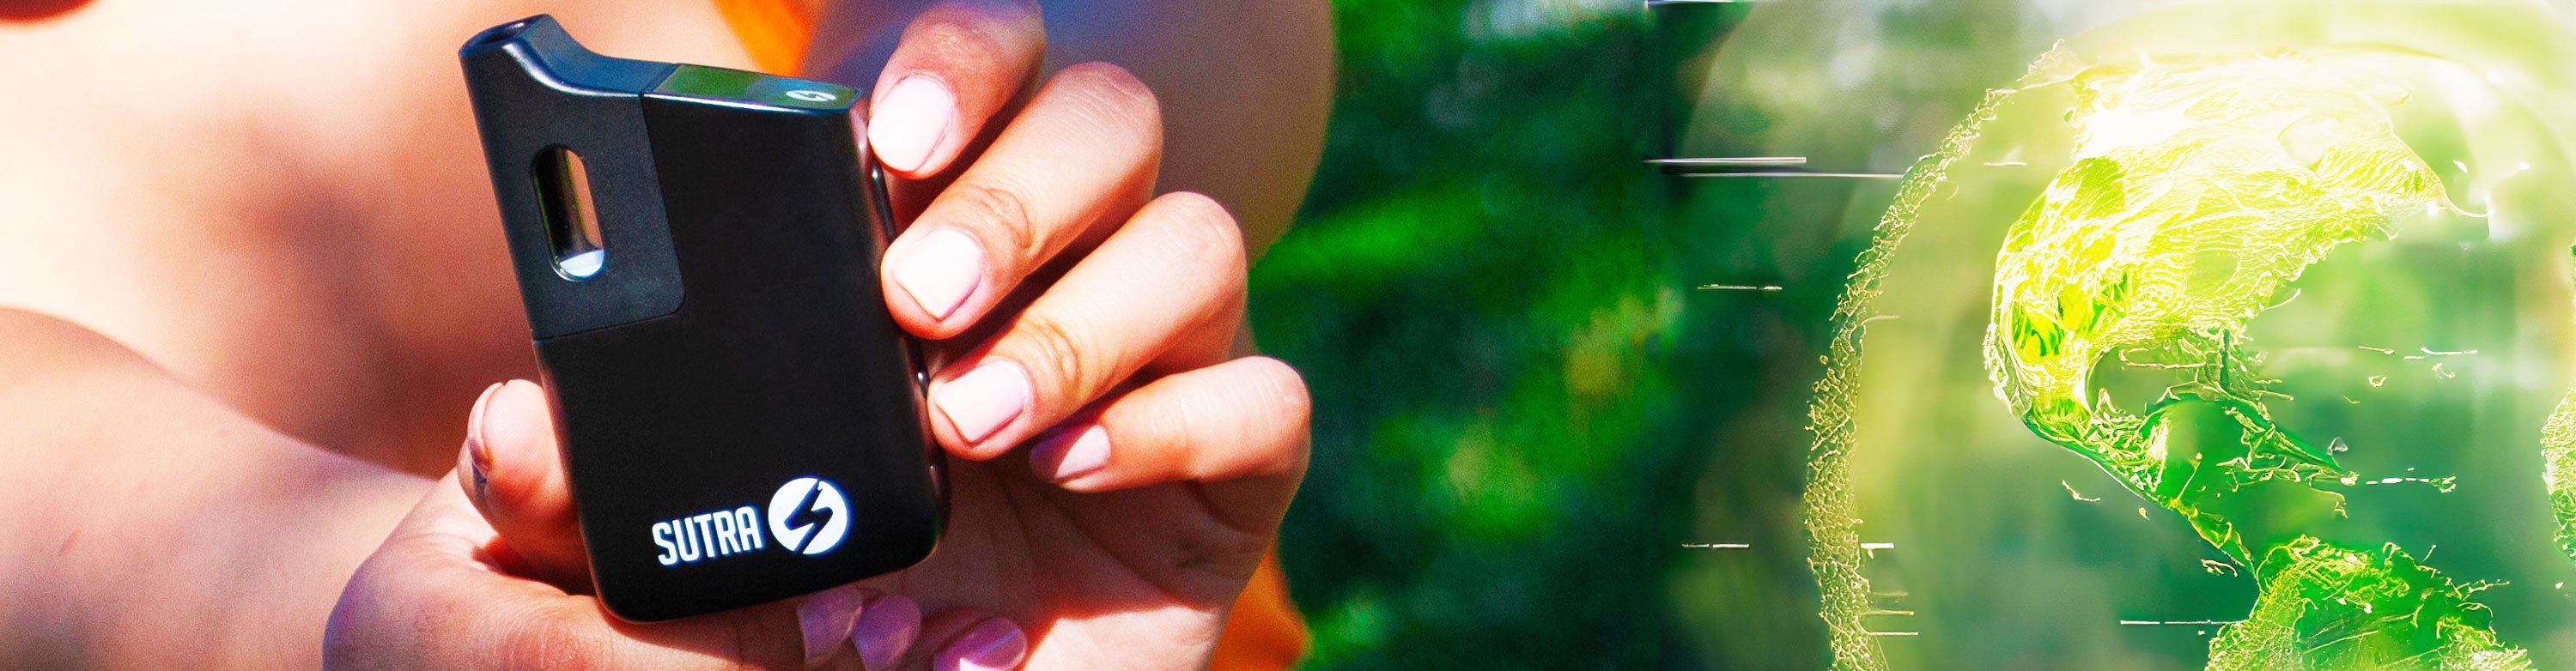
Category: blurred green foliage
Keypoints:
(1525, 410)
(1518, 391)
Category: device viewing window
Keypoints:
(572, 222)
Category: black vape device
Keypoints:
(698, 249)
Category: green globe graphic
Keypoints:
(2232, 336)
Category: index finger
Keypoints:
(957, 66)
(1080, 157)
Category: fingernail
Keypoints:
(940, 271)
(1074, 453)
(996, 644)
(885, 630)
(910, 121)
(827, 617)
(981, 401)
(478, 455)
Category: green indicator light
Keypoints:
(696, 81)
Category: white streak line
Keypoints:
(1732, 161)
(1845, 175)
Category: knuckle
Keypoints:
(973, 39)
(946, 35)
(999, 211)
(1210, 568)
(1204, 228)
(1184, 429)
(1052, 348)
(1114, 95)
(1200, 230)
(1109, 81)
(970, 32)
(1286, 387)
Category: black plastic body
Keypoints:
(734, 340)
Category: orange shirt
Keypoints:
(776, 32)
(1264, 633)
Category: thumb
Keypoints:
(429, 599)
(515, 477)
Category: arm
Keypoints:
(151, 526)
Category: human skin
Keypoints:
(299, 243)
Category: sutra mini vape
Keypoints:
(697, 247)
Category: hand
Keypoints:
(1069, 309)
(445, 591)
(1078, 313)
